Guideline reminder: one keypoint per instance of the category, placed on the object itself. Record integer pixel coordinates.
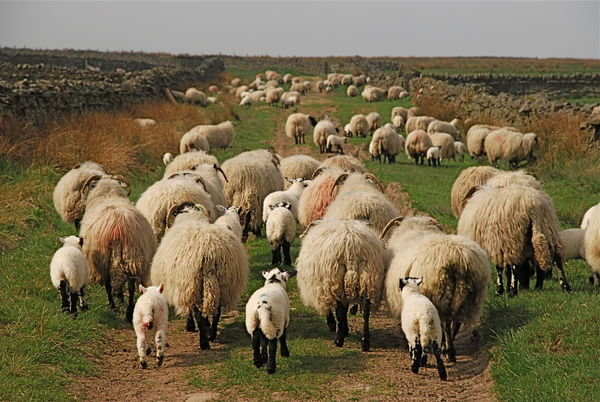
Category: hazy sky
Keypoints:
(305, 28)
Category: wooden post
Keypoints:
(169, 96)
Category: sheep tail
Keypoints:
(211, 293)
(351, 284)
(541, 249)
(264, 312)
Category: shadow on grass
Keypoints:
(503, 315)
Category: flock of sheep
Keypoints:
(186, 232)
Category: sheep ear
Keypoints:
(272, 207)
(81, 241)
(62, 239)
(221, 207)
(161, 288)
(402, 283)
(288, 179)
(142, 288)
(291, 273)
(419, 281)
(265, 274)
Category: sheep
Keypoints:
(167, 158)
(69, 195)
(398, 122)
(439, 126)
(573, 241)
(585, 221)
(373, 94)
(291, 196)
(346, 79)
(468, 178)
(459, 151)
(150, 320)
(418, 123)
(69, 275)
(332, 275)
(193, 96)
(203, 267)
(299, 166)
(455, 272)
(274, 95)
(145, 123)
(298, 87)
(433, 156)
(218, 136)
(307, 86)
(252, 176)
(271, 84)
(211, 100)
(337, 142)
(257, 95)
(322, 130)
(475, 138)
(281, 230)
(414, 111)
(188, 161)
(268, 317)
(403, 94)
(421, 325)
(328, 89)
(236, 82)
(290, 98)
(320, 85)
(246, 101)
(374, 120)
(178, 94)
(240, 90)
(446, 144)
(386, 142)
(417, 144)
(515, 224)
(521, 177)
(359, 125)
(119, 241)
(297, 126)
(511, 146)
(394, 92)
(352, 91)
(399, 111)
(345, 162)
(287, 78)
(272, 75)
(592, 244)
(213, 89)
(230, 219)
(317, 197)
(193, 140)
(359, 80)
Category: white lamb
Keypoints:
(421, 326)
(267, 318)
(281, 230)
(433, 156)
(230, 219)
(150, 320)
(291, 196)
(68, 272)
(337, 142)
(246, 101)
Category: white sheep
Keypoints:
(145, 123)
(322, 130)
(246, 101)
(218, 136)
(230, 219)
(68, 272)
(337, 142)
(268, 317)
(374, 120)
(281, 230)
(433, 156)
(417, 144)
(193, 96)
(150, 320)
(459, 150)
(297, 126)
(193, 140)
(300, 166)
(359, 125)
(438, 126)
(352, 91)
(421, 326)
(573, 243)
(290, 196)
(511, 146)
(592, 244)
(585, 221)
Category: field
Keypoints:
(537, 346)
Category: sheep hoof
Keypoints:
(271, 370)
(205, 346)
(566, 287)
(512, 292)
(159, 360)
(148, 351)
(452, 357)
(285, 353)
(500, 291)
(415, 367)
(143, 365)
(339, 343)
(258, 363)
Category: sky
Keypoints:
(310, 28)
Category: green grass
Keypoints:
(585, 100)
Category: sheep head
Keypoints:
(276, 275)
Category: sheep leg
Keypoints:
(276, 256)
(341, 313)
(74, 301)
(450, 351)
(131, 297)
(64, 296)
(215, 324)
(285, 352)
(271, 362)
(287, 258)
(256, 340)
(331, 321)
(416, 353)
(523, 273)
(511, 278)
(77, 224)
(539, 278)
(141, 347)
(439, 362)
(263, 347)
(562, 278)
(499, 285)
(159, 339)
(366, 339)
(82, 302)
(190, 325)
(111, 301)
(203, 329)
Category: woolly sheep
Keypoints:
(150, 320)
(386, 142)
(359, 125)
(417, 144)
(332, 275)
(298, 87)
(352, 91)
(345, 162)
(414, 111)
(459, 150)
(230, 219)
(418, 123)
(211, 100)
(300, 166)
(236, 82)
(455, 272)
(188, 161)
(421, 325)
(433, 156)
(573, 243)
(193, 96)
(510, 146)
(585, 221)
(592, 244)
(475, 138)
(373, 94)
(446, 144)
(290, 98)
(398, 122)
(211, 176)
(515, 224)
(274, 95)
(346, 79)
(145, 123)
(439, 126)
(281, 230)
(246, 101)
(297, 126)
(69, 275)
(320, 85)
(394, 92)
(399, 111)
(317, 197)
(240, 90)
(328, 89)
(272, 84)
(322, 130)
(337, 142)
(218, 136)
(287, 78)
(193, 140)
(469, 178)
(374, 120)
(268, 317)
(119, 241)
(296, 80)
(359, 80)
(203, 267)
(307, 86)
(291, 196)
(69, 196)
(256, 95)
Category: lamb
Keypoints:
(230, 219)
(352, 91)
(218, 136)
(69, 195)
(374, 120)
(297, 126)
(417, 144)
(515, 224)
(455, 272)
(69, 275)
(459, 150)
(150, 320)
(203, 267)
(299, 166)
(421, 325)
(193, 96)
(337, 142)
(359, 125)
(193, 140)
(511, 146)
(268, 317)
(145, 123)
(281, 230)
(322, 130)
(345, 162)
(438, 126)
(433, 156)
(290, 98)
(291, 196)
(246, 101)
(119, 241)
(332, 275)
(592, 244)
(446, 144)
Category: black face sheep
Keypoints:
(281, 230)
(150, 320)
(69, 195)
(203, 266)
(119, 241)
(421, 325)
(341, 263)
(268, 317)
(68, 272)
